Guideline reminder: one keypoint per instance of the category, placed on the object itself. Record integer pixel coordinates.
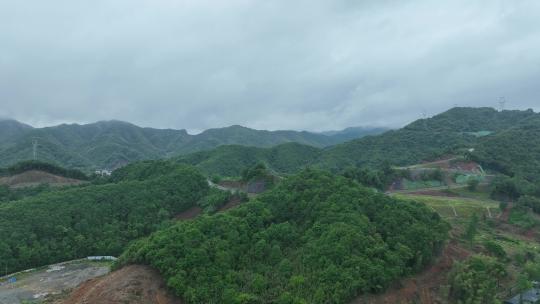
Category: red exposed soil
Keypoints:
(35, 178)
(531, 234)
(466, 166)
(191, 213)
(422, 288)
(133, 284)
(232, 184)
(518, 233)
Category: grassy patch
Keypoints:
(413, 185)
(482, 193)
(522, 218)
(464, 207)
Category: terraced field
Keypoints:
(452, 207)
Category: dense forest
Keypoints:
(511, 135)
(323, 233)
(231, 160)
(59, 225)
(11, 194)
(514, 152)
(112, 144)
(450, 132)
(315, 238)
(471, 120)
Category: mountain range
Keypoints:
(504, 141)
(111, 144)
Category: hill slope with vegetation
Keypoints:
(424, 139)
(501, 139)
(11, 128)
(514, 152)
(232, 160)
(25, 166)
(97, 219)
(315, 238)
(111, 144)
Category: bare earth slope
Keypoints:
(36, 284)
(35, 178)
(133, 284)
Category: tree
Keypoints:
(495, 249)
(531, 202)
(505, 188)
(476, 280)
(472, 229)
(523, 284)
(472, 184)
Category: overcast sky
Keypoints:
(267, 64)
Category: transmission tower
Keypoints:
(502, 103)
(34, 148)
(424, 119)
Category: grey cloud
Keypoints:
(266, 64)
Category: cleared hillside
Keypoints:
(34, 178)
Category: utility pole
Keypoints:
(34, 147)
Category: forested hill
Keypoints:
(514, 152)
(11, 128)
(110, 144)
(99, 219)
(233, 159)
(471, 120)
(505, 141)
(25, 166)
(315, 238)
(424, 139)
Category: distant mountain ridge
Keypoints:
(111, 144)
(355, 132)
(423, 139)
(10, 128)
(512, 146)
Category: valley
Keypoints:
(269, 152)
(289, 223)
